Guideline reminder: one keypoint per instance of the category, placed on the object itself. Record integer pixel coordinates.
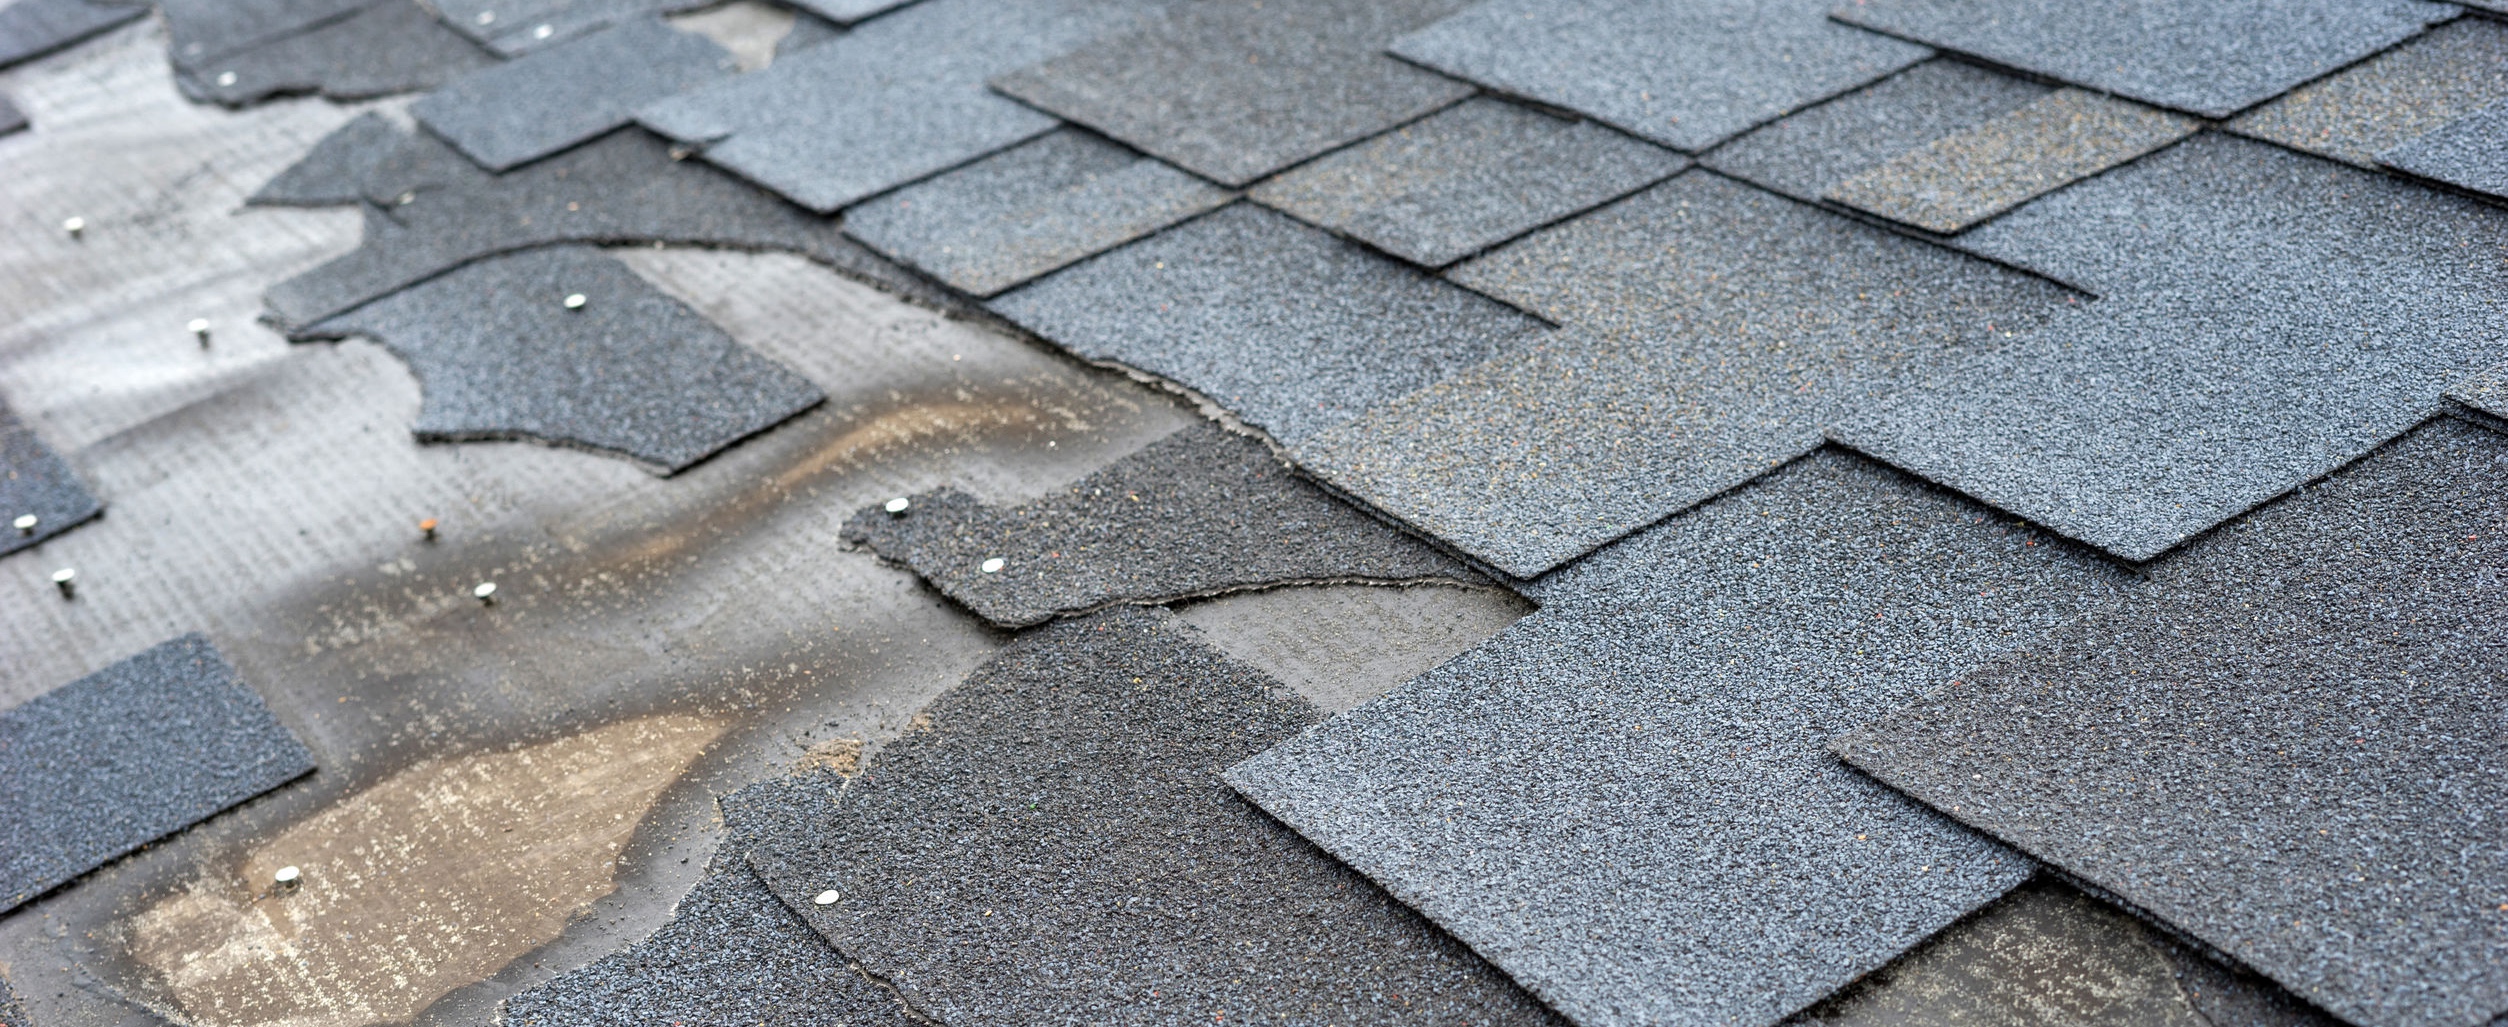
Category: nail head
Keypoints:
(486, 592)
(287, 876)
(226, 78)
(899, 505)
(993, 566)
(543, 32)
(827, 898)
(574, 301)
(25, 524)
(74, 226)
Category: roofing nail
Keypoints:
(200, 330)
(66, 579)
(993, 566)
(226, 78)
(487, 17)
(827, 898)
(74, 226)
(25, 524)
(897, 507)
(543, 32)
(485, 593)
(426, 529)
(574, 301)
(287, 878)
(405, 199)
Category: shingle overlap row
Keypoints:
(33, 28)
(520, 111)
(2391, 99)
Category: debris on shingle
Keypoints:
(11, 118)
(334, 172)
(391, 47)
(896, 99)
(1200, 512)
(1465, 179)
(36, 482)
(1029, 210)
(2470, 152)
(2391, 98)
(33, 28)
(127, 755)
(1958, 180)
(1286, 327)
(2483, 397)
(1057, 847)
(516, 27)
(1625, 800)
(1803, 154)
(507, 114)
(503, 351)
(2213, 59)
(2288, 747)
(1687, 75)
(1237, 89)
(1713, 330)
(204, 30)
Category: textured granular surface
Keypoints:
(1687, 75)
(516, 27)
(633, 371)
(2470, 152)
(1199, 512)
(1236, 91)
(2230, 752)
(1057, 847)
(127, 755)
(11, 118)
(203, 30)
(2392, 98)
(394, 46)
(1029, 210)
(523, 110)
(33, 28)
(334, 172)
(1959, 180)
(1465, 179)
(1806, 153)
(2483, 396)
(35, 480)
(1625, 800)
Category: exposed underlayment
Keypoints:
(1341, 646)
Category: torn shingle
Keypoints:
(35, 481)
(1286, 327)
(2213, 59)
(508, 114)
(1625, 800)
(896, 99)
(1687, 75)
(1199, 512)
(1959, 180)
(1029, 210)
(1713, 330)
(394, 46)
(632, 372)
(2391, 98)
(11, 118)
(2289, 747)
(129, 754)
(516, 27)
(33, 28)
(1804, 154)
(1465, 179)
(2483, 397)
(1057, 847)
(2470, 152)
(333, 173)
(1237, 89)
(204, 30)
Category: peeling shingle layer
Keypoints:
(2392, 98)
(507, 114)
(1806, 153)
(394, 46)
(334, 172)
(35, 480)
(2470, 152)
(2289, 747)
(1959, 180)
(33, 28)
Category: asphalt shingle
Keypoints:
(334, 172)
(11, 118)
(1625, 800)
(33, 28)
(1803, 154)
(1236, 89)
(2289, 747)
(2483, 397)
(632, 372)
(35, 481)
(1465, 179)
(2470, 152)
(203, 30)
(2391, 98)
(516, 27)
(507, 114)
(391, 47)
(2213, 59)
(127, 755)
(1959, 180)
(1057, 846)
(846, 12)
(1687, 75)
(1029, 210)
(1286, 327)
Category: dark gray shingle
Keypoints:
(334, 172)
(35, 480)
(391, 47)
(2470, 152)
(507, 114)
(516, 27)
(1804, 154)
(2484, 397)
(2371, 107)
(203, 30)
(11, 118)
(33, 28)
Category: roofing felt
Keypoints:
(127, 755)
(1465, 179)
(394, 46)
(2371, 107)
(1029, 210)
(203, 30)
(506, 114)
(515, 27)
(1236, 91)
(2470, 152)
(1714, 329)
(821, 126)
(33, 28)
(2217, 374)
(1686, 75)
(334, 172)
(1624, 800)
(1199, 512)
(632, 371)
(2233, 752)
(35, 480)
(1958, 180)
(1803, 154)
(1290, 329)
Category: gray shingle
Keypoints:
(2470, 152)
(2212, 59)
(334, 172)
(391, 47)
(203, 30)
(1029, 210)
(1687, 75)
(2483, 397)
(127, 755)
(896, 99)
(507, 114)
(634, 372)
(35, 480)
(1713, 330)
(2389, 99)
(2289, 747)
(1958, 180)
(1057, 847)
(516, 27)
(33, 28)
(1465, 179)
(1624, 800)
(1804, 154)
(1284, 326)
(1236, 89)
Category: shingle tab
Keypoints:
(1959, 180)
(632, 372)
(391, 47)
(2290, 746)
(1687, 75)
(1465, 179)
(2391, 98)
(1284, 326)
(1624, 800)
(127, 755)
(1803, 154)
(1234, 90)
(35, 480)
(33, 28)
(1029, 210)
(2470, 152)
(2213, 59)
(202, 30)
(507, 114)
(334, 172)
(516, 27)
(2484, 397)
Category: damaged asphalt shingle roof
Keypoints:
(334, 172)
(507, 114)
(34, 480)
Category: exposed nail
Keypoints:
(74, 226)
(897, 506)
(485, 593)
(25, 524)
(287, 878)
(487, 17)
(543, 32)
(200, 330)
(226, 78)
(66, 579)
(992, 566)
(426, 528)
(827, 898)
(574, 301)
